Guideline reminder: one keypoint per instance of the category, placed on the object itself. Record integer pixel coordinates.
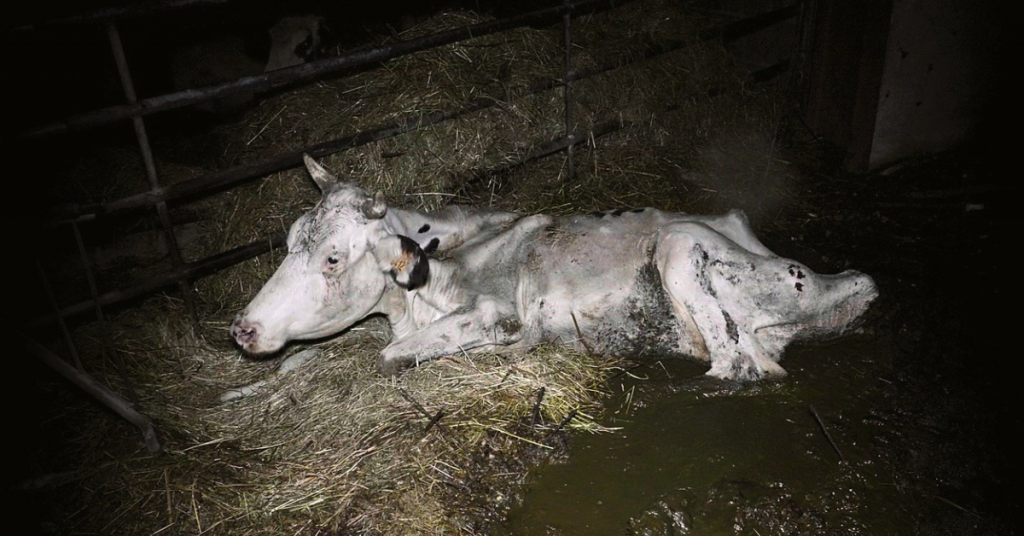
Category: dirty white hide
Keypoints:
(635, 283)
(292, 41)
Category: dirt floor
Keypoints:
(933, 233)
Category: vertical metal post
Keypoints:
(147, 158)
(64, 331)
(567, 79)
(108, 348)
(97, 391)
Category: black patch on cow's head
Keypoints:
(420, 271)
(800, 287)
(425, 228)
(432, 245)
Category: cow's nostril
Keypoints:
(243, 332)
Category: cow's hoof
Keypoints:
(393, 367)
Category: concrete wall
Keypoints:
(940, 67)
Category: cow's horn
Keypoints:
(375, 208)
(321, 176)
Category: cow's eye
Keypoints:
(333, 260)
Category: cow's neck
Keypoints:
(408, 310)
(394, 304)
(421, 227)
(413, 222)
(444, 230)
(398, 220)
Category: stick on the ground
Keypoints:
(536, 407)
(821, 424)
(435, 420)
(561, 425)
(431, 419)
(579, 335)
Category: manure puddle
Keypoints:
(699, 456)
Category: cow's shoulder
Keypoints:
(503, 243)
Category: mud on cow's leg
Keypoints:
(747, 306)
(686, 256)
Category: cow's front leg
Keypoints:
(483, 325)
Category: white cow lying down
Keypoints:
(631, 283)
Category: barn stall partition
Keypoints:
(48, 333)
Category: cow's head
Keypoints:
(341, 259)
(293, 40)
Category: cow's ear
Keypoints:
(375, 208)
(402, 258)
(321, 176)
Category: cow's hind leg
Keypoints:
(748, 307)
(735, 226)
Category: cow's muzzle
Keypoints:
(245, 333)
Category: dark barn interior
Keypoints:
(146, 212)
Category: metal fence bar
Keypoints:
(96, 390)
(570, 128)
(309, 71)
(235, 175)
(736, 29)
(117, 12)
(64, 331)
(216, 181)
(147, 158)
(221, 179)
(195, 270)
(107, 347)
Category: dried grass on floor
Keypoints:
(333, 444)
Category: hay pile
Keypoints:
(333, 447)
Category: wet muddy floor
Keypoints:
(907, 427)
(701, 454)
